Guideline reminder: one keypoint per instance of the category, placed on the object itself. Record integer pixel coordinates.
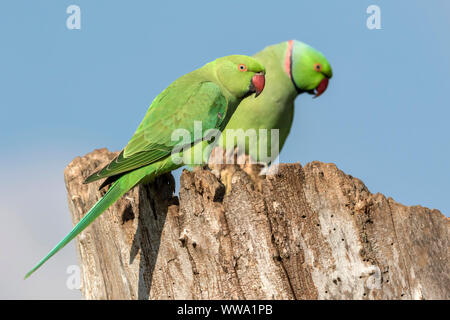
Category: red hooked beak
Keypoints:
(258, 82)
(321, 87)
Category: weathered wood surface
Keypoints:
(308, 232)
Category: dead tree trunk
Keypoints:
(308, 232)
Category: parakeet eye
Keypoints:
(242, 67)
(318, 67)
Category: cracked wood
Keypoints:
(308, 232)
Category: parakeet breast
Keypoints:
(273, 109)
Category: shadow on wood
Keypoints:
(308, 232)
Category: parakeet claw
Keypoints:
(226, 176)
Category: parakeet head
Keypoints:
(308, 69)
(241, 75)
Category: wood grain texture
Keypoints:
(308, 232)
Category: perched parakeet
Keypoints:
(292, 68)
(209, 95)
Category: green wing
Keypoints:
(176, 107)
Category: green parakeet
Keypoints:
(292, 68)
(209, 95)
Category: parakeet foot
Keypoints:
(226, 176)
(254, 173)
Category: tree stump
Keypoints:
(308, 232)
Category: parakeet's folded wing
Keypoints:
(176, 107)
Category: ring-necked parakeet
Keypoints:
(209, 94)
(292, 68)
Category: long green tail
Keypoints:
(118, 189)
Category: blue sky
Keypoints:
(383, 119)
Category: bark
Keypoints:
(309, 232)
